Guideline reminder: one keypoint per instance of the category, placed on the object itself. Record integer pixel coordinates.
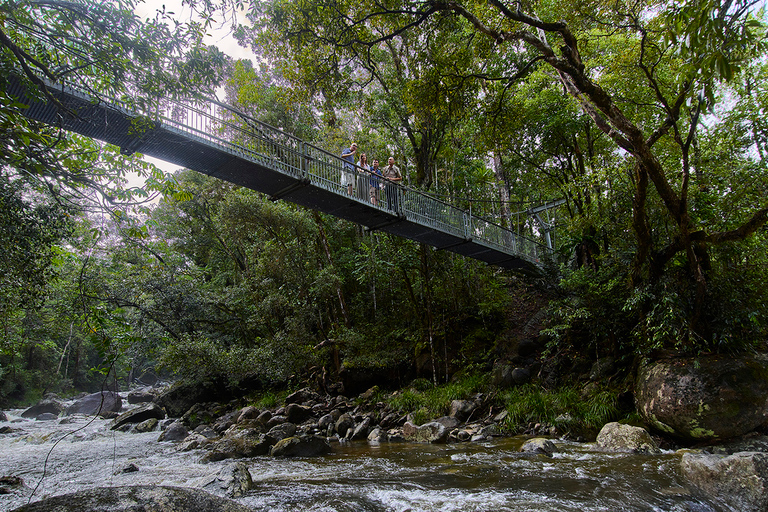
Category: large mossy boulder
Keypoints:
(704, 399)
(183, 395)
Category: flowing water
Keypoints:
(356, 477)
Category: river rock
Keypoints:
(235, 479)
(3, 417)
(704, 399)
(181, 397)
(175, 432)
(136, 498)
(297, 414)
(146, 426)
(432, 432)
(344, 423)
(238, 444)
(140, 396)
(47, 405)
(448, 422)
(616, 437)
(96, 404)
(46, 416)
(361, 430)
(740, 480)
(138, 415)
(282, 431)
(303, 446)
(521, 376)
(539, 445)
(248, 413)
(10, 484)
(461, 409)
(302, 396)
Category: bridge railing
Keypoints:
(220, 124)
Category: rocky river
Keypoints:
(40, 459)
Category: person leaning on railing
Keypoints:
(375, 182)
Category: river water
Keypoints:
(355, 477)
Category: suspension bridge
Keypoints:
(218, 140)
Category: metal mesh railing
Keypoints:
(221, 125)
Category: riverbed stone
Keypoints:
(96, 404)
(175, 432)
(239, 444)
(146, 426)
(705, 399)
(136, 498)
(296, 413)
(462, 409)
(182, 396)
(47, 405)
(344, 423)
(539, 445)
(302, 396)
(361, 430)
(140, 396)
(3, 416)
(617, 437)
(282, 431)
(739, 480)
(431, 432)
(46, 416)
(236, 479)
(301, 446)
(139, 414)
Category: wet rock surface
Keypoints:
(135, 499)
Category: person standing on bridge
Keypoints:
(348, 168)
(375, 183)
(392, 173)
(363, 170)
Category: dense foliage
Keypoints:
(646, 118)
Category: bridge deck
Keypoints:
(216, 140)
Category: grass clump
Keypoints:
(425, 401)
(565, 408)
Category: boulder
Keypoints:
(140, 396)
(46, 416)
(138, 415)
(302, 396)
(298, 414)
(539, 445)
(238, 444)
(248, 413)
(448, 422)
(740, 481)
(47, 405)
(344, 423)
(96, 404)
(134, 498)
(235, 479)
(303, 446)
(521, 376)
(175, 432)
(704, 399)
(462, 409)
(361, 430)
(616, 437)
(146, 426)
(182, 396)
(282, 431)
(3, 417)
(432, 432)
(10, 484)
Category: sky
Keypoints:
(220, 36)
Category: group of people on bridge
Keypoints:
(366, 181)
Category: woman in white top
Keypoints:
(363, 173)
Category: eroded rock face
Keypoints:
(739, 480)
(134, 498)
(706, 399)
(616, 437)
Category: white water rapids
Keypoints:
(356, 477)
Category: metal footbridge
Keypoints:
(215, 139)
